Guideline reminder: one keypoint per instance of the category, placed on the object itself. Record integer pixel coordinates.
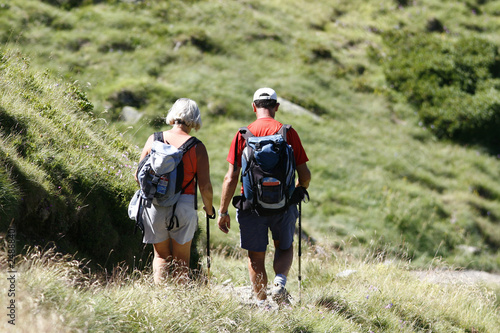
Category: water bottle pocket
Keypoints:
(161, 188)
(270, 190)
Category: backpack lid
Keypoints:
(267, 150)
(164, 157)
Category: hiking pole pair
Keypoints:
(209, 217)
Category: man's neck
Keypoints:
(264, 113)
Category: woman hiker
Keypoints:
(172, 248)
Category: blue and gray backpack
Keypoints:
(268, 173)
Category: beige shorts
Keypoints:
(157, 218)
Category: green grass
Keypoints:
(377, 174)
(383, 185)
(56, 294)
(67, 175)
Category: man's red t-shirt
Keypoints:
(268, 126)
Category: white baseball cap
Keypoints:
(265, 93)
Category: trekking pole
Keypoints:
(208, 240)
(300, 251)
(305, 199)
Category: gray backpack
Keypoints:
(160, 176)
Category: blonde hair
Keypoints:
(185, 111)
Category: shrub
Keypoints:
(453, 84)
(69, 4)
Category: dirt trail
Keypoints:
(464, 277)
(244, 293)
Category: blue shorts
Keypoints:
(254, 229)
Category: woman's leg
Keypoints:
(162, 259)
(181, 255)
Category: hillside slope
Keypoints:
(381, 179)
(65, 178)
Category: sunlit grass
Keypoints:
(383, 187)
(376, 171)
(339, 294)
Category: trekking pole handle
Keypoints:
(212, 217)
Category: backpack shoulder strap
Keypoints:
(190, 143)
(283, 130)
(185, 147)
(158, 136)
(245, 132)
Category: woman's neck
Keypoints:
(180, 129)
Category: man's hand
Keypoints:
(224, 223)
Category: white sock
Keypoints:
(280, 278)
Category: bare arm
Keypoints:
(204, 183)
(304, 175)
(228, 188)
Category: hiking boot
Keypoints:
(280, 295)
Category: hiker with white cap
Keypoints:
(265, 203)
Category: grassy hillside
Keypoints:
(384, 187)
(381, 178)
(65, 176)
